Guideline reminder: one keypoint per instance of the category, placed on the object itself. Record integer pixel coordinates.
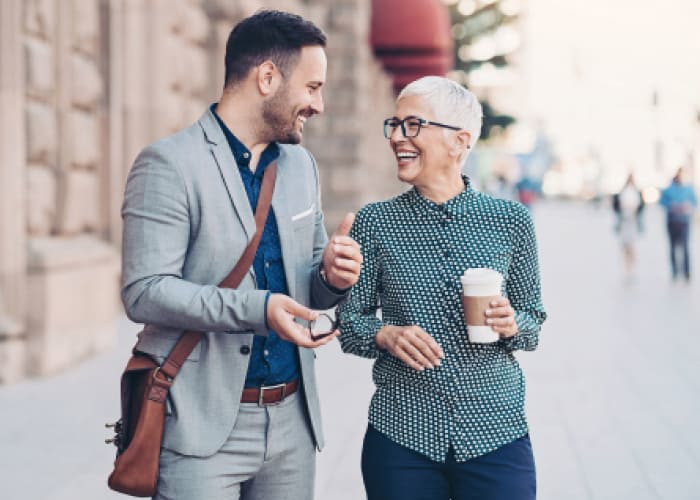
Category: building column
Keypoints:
(13, 241)
(72, 267)
(111, 115)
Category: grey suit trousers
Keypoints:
(270, 455)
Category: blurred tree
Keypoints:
(493, 121)
(484, 35)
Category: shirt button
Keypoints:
(266, 352)
(245, 350)
(246, 155)
(267, 264)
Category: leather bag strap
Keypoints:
(236, 275)
(189, 339)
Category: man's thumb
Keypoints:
(299, 311)
(345, 225)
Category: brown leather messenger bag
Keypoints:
(145, 384)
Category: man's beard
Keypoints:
(280, 121)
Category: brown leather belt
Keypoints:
(269, 395)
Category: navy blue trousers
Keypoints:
(392, 472)
(678, 234)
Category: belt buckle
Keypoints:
(261, 398)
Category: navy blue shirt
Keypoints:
(272, 359)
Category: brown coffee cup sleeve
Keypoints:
(474, 308)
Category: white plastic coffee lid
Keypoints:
(478, 275)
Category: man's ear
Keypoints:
(267, 77)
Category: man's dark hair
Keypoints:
(268, 34)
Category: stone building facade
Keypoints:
(84, 85)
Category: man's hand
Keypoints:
(342, 259)
(501, 317)
(411, 344)
(281, 311)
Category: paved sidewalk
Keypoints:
(612, 391)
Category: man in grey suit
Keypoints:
(243, 417)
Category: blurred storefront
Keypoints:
(615, 94)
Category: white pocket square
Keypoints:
(305, 213)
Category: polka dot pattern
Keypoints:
(414, 252)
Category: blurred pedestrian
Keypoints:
(628, 205)
(500, 187)
(528, 190)
(447, 420)
(680, 201)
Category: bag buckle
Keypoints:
(261, 396)
(117, 426)
(165, 377)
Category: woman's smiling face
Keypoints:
(419, 159)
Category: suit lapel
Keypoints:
(229, 172)
(234, 185)
(280, 207)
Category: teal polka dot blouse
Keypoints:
(414, 252)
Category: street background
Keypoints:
(577, 95)
(611, 391)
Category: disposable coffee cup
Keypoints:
(479, 287)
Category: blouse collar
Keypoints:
(455, 206)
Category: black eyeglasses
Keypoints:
(410, 126)
(323, 326)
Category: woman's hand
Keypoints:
(411, 344)
(501, 317)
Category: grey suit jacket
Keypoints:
(187, 220)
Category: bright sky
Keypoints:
(590, 70)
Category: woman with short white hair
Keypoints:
(447, 419)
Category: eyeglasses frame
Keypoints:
(422, 121)
(335, 324)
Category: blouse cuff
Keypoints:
(362, 341)
(528, 333)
